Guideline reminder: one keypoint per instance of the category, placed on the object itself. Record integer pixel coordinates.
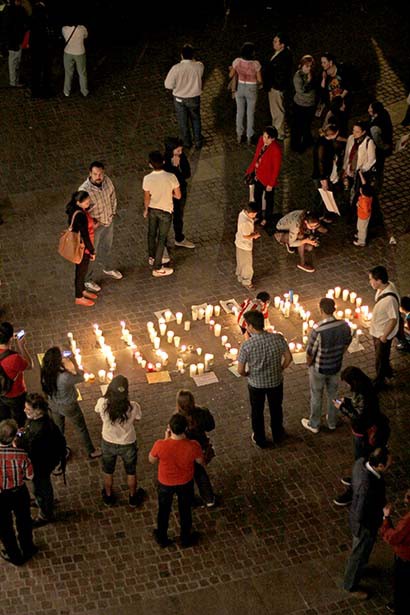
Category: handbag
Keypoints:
(70, 245)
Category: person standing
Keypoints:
(360, 156)
(366, 515)
(399, 538)
(277, 78)
(81, 222)
(385, 322)
(103, 209)
(334, 82)
(75, 57)
(176, 456)
(40, 48)
(304, 104)
(264, 171)
(248, 71)
(185, 81)
(244, 238)
(381, 131)
(16, 25)
(15, 468)
(263, 359)
(14, 364)
(328, 341)
(59, 375)
(176, 162)
(160, 188)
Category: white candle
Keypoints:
(177, 341)
(345, 294)
(122, 323)
(358, 301)
(192, 370)
(162, 328)
(71, 336)
(292, 346)
(143, 363)
(340, 313)
(201, 313)
(183, 348)
(305, 327)
(157, 342)
(167, 315)
(330, 293)
(208, 360)
(209, 310)
(187, 325)
(180, 365)
(194, 314)
(211, 324)
(158, 366)
(201, 368)
(298, 347)
(276, 302)
(338, 290)
(164, 358)
(150, 325)
(178, 317)
(348, 313)
(234, 353)
(199, 351)
(311, 323)
(305, 339)
(217, 330)
(101, 375)
(86, 377)
(170, 336)
(287, 309)
(353, 297)
(306, 315)
(110, 376)
(224, 339)
(365, 310)
(217, 310)
(295, 298)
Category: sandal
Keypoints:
(94, 455)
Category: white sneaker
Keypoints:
(164, 261)
(113, 274)
(306, 424)
(185, 244)
(161, 273)
(93, 287)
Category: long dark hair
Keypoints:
(51, 367)
(118, 404)
(76, 197)
(359, 382)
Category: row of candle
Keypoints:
(75, 350)
(105, 349)
(198, 313)
(345, 295)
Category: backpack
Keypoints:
(6, 383)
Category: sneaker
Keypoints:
(93, 287)
(263, 444)
(289, 249)
(330, 427)
(137, 499)
(39, 521)
(308, 268)
(347, 481)
(16, 562)
(88, 295)
(165, 261)
(358, 244)
(109, 500)
(161, 273)
(113, 273)
(358, 594)
(345, 499)
(162, 542)
(211, 504)
(95, 454)
(191, 540)
(151, 261)
(84, 302)
(390, 607)
(185, 244)
(306, 424)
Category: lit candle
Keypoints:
(201, 313)
(348, 313)
(345, 294)
(157, 342)
(178, 317)
(187, 325)
(199, 351)
(311, 323)
(177, 341)
(91, 377)
(150, 325)
(353, 297)
(306, 315)
(211, 324)
(125, 334)
(201, 368)
(192, 370)
(224, 339)
(295, 298)
(358, 333)
(340, 314)
(209, 310)
(168, 315)
(217, 330)
(143, 363)
(358, 301)
(183, 348)
(158, 366)
(71, 336)
(194, 314)
(150, 367)
(110, 376)
(170, 336)
(228, 347)
(330, 293)
(365, 310)
(276, 302)
(86, 377)
(122, 323)
(305, 327)
(287, 309)
(338, 290)
(101, 375)
(164, 358)
(292, 346)
(305, 339)
(209, 358)
(357, 312)
(234, 354)
(180, 366)
(217, 310)
(298, 347)
(162, 328)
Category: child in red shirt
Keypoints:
(364, 211)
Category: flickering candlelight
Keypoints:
(345, 294)
(170, 336)
(217, 330)
(224, 339)
(167, 315)
(187, 325)
(276, 302)
(217, 310)
(353, 297)
(178, 317)
(338, 290)
(101, 375)
(200, 368)
(177, 341)
(192, 370)
(162, 328)
(199, 351)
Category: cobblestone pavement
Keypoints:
(276, 543)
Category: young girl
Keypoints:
(200, 420)
(119, 439)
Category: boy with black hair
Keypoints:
(260, 304)
(364, 211)
(244, 238)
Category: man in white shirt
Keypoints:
(74, 56)
(185, 81)
(159, 189)
(385, 321)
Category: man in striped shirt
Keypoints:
(327, 344)
(15, 467)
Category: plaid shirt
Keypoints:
(15, 466)
(263, 353)
(327, 344)
(103, 200)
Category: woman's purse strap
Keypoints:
(70, 228)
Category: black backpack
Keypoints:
(6, 383)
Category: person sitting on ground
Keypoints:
(404, 329)
(200, 421)
(298, 229)
(119, 439)
(259, 304)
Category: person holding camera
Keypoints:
(12, 367)
(59, 375)
(298, 230)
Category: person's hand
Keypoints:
(92, 257)
(256, 235)
(312, 242)
(387, 510)
(167, 433)
(145, 214)
(324, 75)
(324, 184)
(269, 188)
(383, 339)
(175, 160)
(337, 403)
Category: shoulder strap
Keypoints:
(6, 353)
(69, 38)
(389, 294)
(70, 228)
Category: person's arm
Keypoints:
(394, 536)
(232, 71)
(28, 470)
(147, 200)
(259, 76)
(176, 193)
(287, 358)
(152, 459)
(22, 348)
(241, 369)
(312, 347)
(81, 224)
(113, 199)
(170, 80)
(370, 155)
(275, 164)
(389, 327)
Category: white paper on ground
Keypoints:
(204, 379)
(299, 358)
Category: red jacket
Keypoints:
(269, 164)
(398, 537)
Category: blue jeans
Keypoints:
(74, 414)
(246, 96)
(103, 238)
(44, 494)
(188, 111)
(159, 223)
(319, 382)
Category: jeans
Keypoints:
(103, 238)
(80, 275)
(269, 199)
(44, 494)
(178, 218)
(127, 452)
(159, 223)
(17, 502)
(318, 382)
(74, 414)
(383, 367)
(401, 585)
(275, 399)
(13, 408)
(78, 62)
(188, 111)
(165, 496)
(203, 483)
(14, 66)
(359, 556)
(246, 97)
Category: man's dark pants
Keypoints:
(44, 494)
(383, 367)
(188, 110)
(165, 496)
(359, 556)
(401, 585)
(270, 201)
(16, 501)
(275, 399)
(159, 223)
(178, 218)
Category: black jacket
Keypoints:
(369, 498)
(323, 155)
(15, 25)
(182, 172)
(81, 226)
(44, 444)
(277, 73)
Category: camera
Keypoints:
(20, 334)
